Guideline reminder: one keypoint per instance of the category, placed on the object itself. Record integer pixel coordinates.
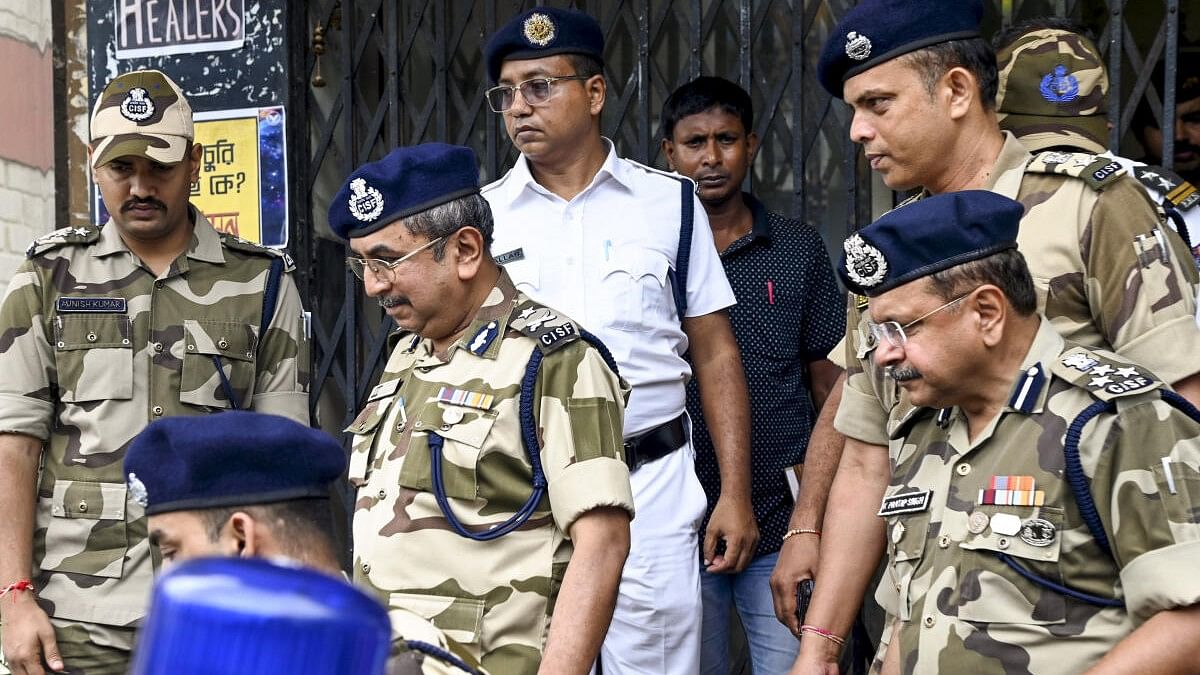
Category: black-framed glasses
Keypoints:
(535, 91)
(382, 269)
(895, 334)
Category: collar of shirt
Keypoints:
(760, 230)
(205, 244)
(520, 182)
(497, 308)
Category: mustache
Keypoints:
(1184, 146)
(902, 374)
(393, 301)
(140, 201)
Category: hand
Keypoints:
(797, 561)
(814, 661)
(27, 635)
(732, 521)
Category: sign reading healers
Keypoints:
(158, 27)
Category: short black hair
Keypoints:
(300, 525)
(1009, 35)
(706, 93)
(973, 54)
(1006, 270)
(585, 65)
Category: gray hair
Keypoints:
(444, 220)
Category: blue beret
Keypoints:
(235, 458)
(407, 181)
(928, 236)
(880, 30)
(544, 31)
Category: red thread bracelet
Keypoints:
(18, 585)
(823, 633)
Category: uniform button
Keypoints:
(61, 345)
(445, 427)
(929, 620)
(944, 541)
(191, 348)
(400, 428)
(223, 343)
(383, 494)
(83, 507)
(963, 469)
(158, 284)
(1002, 542)
(158, 410)
(366, 568)
(158, 347)
(91, 337)
(125, 341)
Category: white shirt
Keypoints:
(602, 258)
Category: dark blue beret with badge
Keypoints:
(235, 458)
(407, 181)
(876, 31)
(928, 236)
(541, 32)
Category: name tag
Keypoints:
(91, 305)
(383, 389)
(512, 256)
(909, 502)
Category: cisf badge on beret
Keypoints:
(137, 105)
(366, 203)
(137, 491)
(539, 29)
(865, 264)
(858, 47)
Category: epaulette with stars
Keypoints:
(67, 236)
(238, 244)
(1102, 376)
(1095, 170)
(548, 327)
(1180, 193)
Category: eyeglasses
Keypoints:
(894, 333)
(535, 91)
(382, 269)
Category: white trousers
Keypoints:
(656, 625)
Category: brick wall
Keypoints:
(27, 190)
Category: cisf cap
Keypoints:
(142, 113)
(876, 31)
(1053, 91)
(928, 236)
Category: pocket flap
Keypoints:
(1015, 544)
(370, 416)
(90, 331)
(461, 619)
(228, 339)
(638, 263)
(93, 501)
(525, 273)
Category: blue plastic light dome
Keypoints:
(228, 616)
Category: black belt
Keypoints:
(657, 443)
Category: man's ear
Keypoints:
(991, 308)
(194, 154)
(469, 252)
(597, 91)
(752, 148)
(242, 531)
(668, 149)
(962, 89)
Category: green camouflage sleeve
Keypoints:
(1151, 459)
(282, 381)
(580, 418)
(26, 359)
(1141, 283)
(862, 414)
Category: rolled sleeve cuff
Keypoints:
(838, 354)
(25, 415)
(290, 404)
(1153, 583)
(860, 417)
(1160, 349)
(583, 486)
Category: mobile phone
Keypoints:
(804, 591)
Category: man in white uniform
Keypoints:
(603, 239)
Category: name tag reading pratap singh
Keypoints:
(91, 305)
(908, 502)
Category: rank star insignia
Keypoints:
(865, 264)
(1167, 185)
(1103, 369)
(1055, 158)
(1152, 176)
(1100, 381)
(137, 106)
(1080, 362)
(366, 203)
(858, 47)
(534, 318)
(539, 29)
(1127, 372)
(79, 231)
(137, 490)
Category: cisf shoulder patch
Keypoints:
(1102, 375)
(1097, 171)
(547, 327)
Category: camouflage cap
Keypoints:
(142, 113)
(1053, 91)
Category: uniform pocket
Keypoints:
(363, 427)
(462, 443)
(461, 619)
(636, 283)
(84, 528)
(207, 343)
(906, 546)
(992, 592)
(94, 357)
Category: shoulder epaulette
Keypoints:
(1102, 374)
(1173, 187)
(548, 327)
(238, 244)
(67, 236)
(1095, 170)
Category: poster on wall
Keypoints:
(242, 188)
(161, 27)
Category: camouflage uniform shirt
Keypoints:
(496, 597)
(962, 609)
(94, 348)
(1109, 273)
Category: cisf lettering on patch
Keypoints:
(909, 502)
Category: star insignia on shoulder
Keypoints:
(1103, 369)
(79, 231)
(1100, 381)
(1127, 372)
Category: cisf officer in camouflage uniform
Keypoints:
(1043, 511)
(493, 497)
(106, 329)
